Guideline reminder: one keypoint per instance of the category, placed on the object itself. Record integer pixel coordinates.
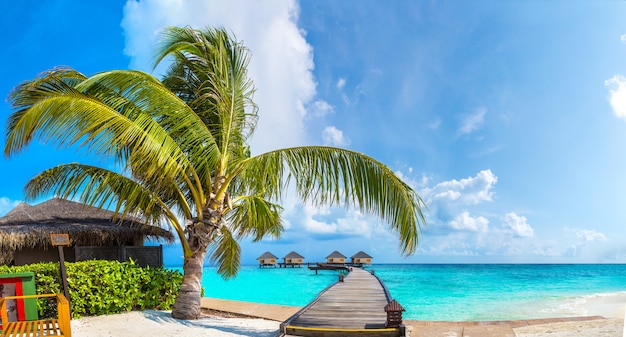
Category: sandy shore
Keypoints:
(160, 323)
(593, 328)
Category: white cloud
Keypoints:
(472, 190)
(353, 224)
(588, 241)
(281, 64)
(321, 108)
(332, 136)
(466, 222)
(623, 38)
(617, 95)
(473, 122)
(590, 235)
(341, 83)
(517, 225)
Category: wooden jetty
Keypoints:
(328, 266)
(353, 306)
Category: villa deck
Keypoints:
(355, 306)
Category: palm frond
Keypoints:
(119, 114)
(225, 253)
(210, 72)
(253, 216)
(333, 176)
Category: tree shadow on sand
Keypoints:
(237, 326)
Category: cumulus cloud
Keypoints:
(465, 222)
(281, 64)
(314, 221)
(321, 108)
(623, 38)
(589, 235)
(587, 239)
(617, 95)
(517, 225)
(473, 122)
(332, 136)
(471, 190)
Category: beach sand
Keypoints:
(592, 328)
(160, 323)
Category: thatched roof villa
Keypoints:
(267, 259)
(25, 233)
(336, 257)
(361, 258)
(292, 259)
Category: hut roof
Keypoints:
(29, 226)
(267, 255)
(336, 255)
(293, 255)
(361, 255)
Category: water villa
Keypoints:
(361, 258)
(267, 260)
(334, 261)
(292, 260)
(336, 257)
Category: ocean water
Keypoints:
(446, 292)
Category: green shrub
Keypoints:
(100, 287)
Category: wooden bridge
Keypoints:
(354, 306)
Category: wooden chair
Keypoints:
(43, 327)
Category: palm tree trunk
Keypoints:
(187, 305)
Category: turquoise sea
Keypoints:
(446, 292)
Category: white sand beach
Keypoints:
(593, 328)
(160, 323)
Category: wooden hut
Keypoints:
(292, 259)
(361, 258)
(94, 234)
(336, 257)
(267, 260)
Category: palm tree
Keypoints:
(183, 157)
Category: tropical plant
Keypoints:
(183, 147)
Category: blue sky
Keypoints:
(508, 117)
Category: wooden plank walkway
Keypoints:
(355, 305)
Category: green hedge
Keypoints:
(104, 287)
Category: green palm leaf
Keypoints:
(333, 176)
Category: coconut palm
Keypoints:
(184, 161)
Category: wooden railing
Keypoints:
(42, 327)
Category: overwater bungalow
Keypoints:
(93, 233)
(336, 258)
(361, 258)
(267, 260)
(292, 259)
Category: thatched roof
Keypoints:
(360, 255)
(267, 255)
(336, 255)
(29, 226)
(293, 255)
